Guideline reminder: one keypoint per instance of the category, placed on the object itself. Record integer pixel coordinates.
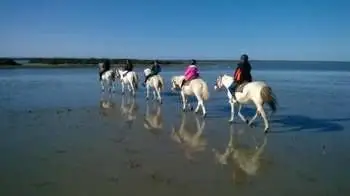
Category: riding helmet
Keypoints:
(244, 57)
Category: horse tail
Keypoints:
(269, 97)
(135, 80)
(205, 91)
(160, 83)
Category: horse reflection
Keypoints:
(153, 120)
(191, 142)
(106, 104)
(128, 109)
(246, 162)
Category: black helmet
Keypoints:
(244, 57)
(193, 62)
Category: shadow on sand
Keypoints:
(296, 123)
(288, 123)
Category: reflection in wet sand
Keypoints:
(128, 109)
(189, 141)
(246, 161)
(106, 104)
(153, 119)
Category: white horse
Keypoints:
(108, 80)
(156, 83)
(256, 92)
(197, 87)
(128, 78)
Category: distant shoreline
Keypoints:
(14, 63)
(65, 66)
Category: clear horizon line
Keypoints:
(170, 59)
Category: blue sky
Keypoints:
(220, 29)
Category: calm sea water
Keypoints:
(48, 150)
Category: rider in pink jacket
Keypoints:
(191, 72)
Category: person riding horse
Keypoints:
(155, 70)
(242, 73)
(191, 72)
(128, 67)
(105, 66)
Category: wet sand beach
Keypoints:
(60, 136)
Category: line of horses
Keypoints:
(256, 92)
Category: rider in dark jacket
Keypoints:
(106, 65)
(128, 67)
(155, 70)
(242, 73)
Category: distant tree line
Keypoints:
(88, 61)
(8, 61)
(94, 61)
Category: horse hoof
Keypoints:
(247, 121)
(191, 108)
(146, 98)
(230, 121)
(204, 115)
(266, 130)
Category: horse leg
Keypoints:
(263, 115)
(159, 96)
(110, 85)
(232, 104)
(154, 94)
(123, 88)
(114, 85)
(184, 101)
(240, 114)
(203, 109)
(147, 91)
(200, 104)
(250, 123)
(132, 88)
(129, 88)
(102, 85)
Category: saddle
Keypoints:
(239, 88)
(187, 82)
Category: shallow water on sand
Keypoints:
(58, 138)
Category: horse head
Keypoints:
(175, 82)
(147, 71)
(218, 83)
